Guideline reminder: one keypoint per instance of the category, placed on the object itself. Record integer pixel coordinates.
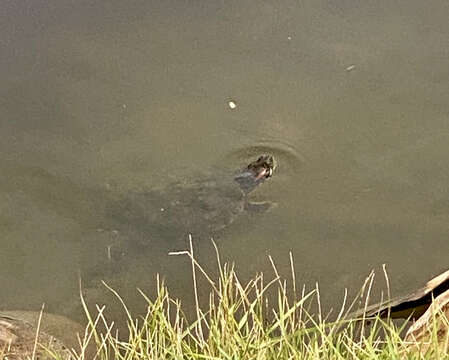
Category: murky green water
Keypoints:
(99, 99)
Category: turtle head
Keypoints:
(255, 173)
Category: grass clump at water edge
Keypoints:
(239, 323)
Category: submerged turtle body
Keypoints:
(205, 205)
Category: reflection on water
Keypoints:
(99, 101)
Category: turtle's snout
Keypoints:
(263, 167)
(256, 172)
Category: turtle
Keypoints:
(201, 205)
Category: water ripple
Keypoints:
(287, 157)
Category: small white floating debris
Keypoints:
(232, 105)
(350, 67)
(114, 232)
(162, 209)
(109, 252)
(289, 37)
(124, 106)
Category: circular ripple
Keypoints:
(286, 156)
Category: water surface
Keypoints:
(101, 99)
